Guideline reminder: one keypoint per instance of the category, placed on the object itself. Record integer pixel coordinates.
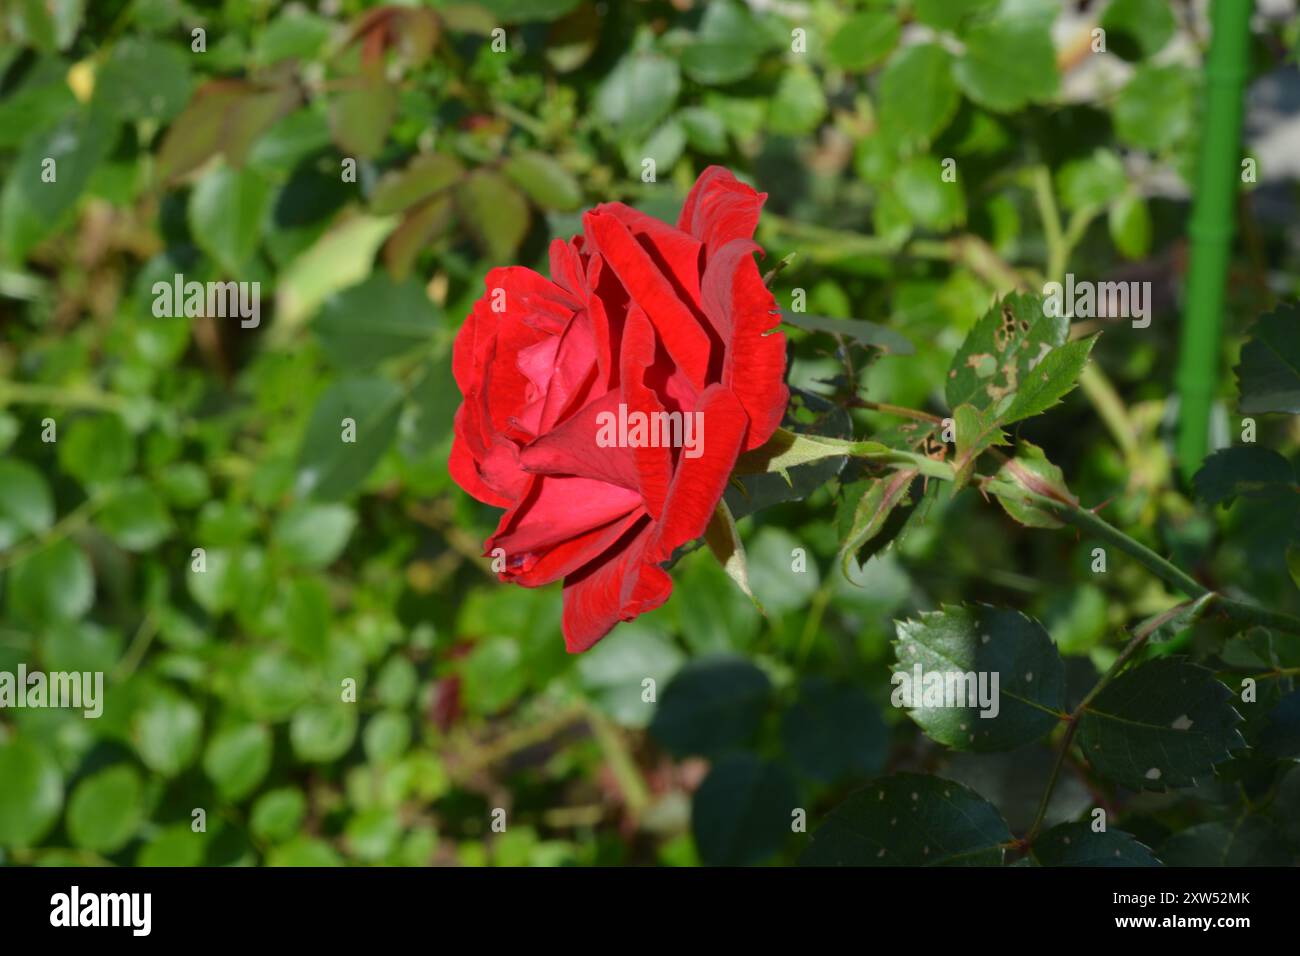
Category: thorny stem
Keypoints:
(1072, 721)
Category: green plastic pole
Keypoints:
(1212, 225)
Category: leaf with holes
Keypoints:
(999, 353)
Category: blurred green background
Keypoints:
(219, 141)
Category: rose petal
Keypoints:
(699, 482)
(754, 366)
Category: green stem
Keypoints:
(1077, 716)
(30, 393)
(1072, 722)
(1057, 253)
(1211, 228)
(1239, 611)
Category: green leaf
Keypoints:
(135, 516)
(858, 330)
(39, 100)
(799, 103)
(106, 809)
(613, 672)
(313, 535)
(1075, 844)
(788, 467)
(433, 406)
(294, 34)
(786, 450)
(1162, 724)
(362, 111)
(375, 320)
(175, 845)
(32, 794)
(322, 733)
(278, 813)
(1000, 351)
(1245, 471)
(638, 92)
(930, 201)
(1155, 109)
(742, 812)
(704, 129)
(910, 819)
(546, 182)
(271, 685)
(973, 712)
(223, 118)
(879, 500)
(864, 39)
(976, 431)
(1129, 221)
(723, 540)
(727, 45)
(834, 731)
(528, 11)
(386, 737)
(330, 468)
(97, 450)
(493, 675)
(226, 211)
(55, 584)
(26, 506)
(783, 585)
(426, 175)
(304, 852)
(1021, 480)
(167, 731)
(1268, 377)
(1008, 63)
(341, 257)
(495, 211)
(1280, 736)
(713, 704)
(32, 205)
(1169, 624)
(143, 80)
(1138, 29)
(81, 646)
(917, 95)
(1092, 182)
(237, 759)
(1250, 841)
(1047, 382)
(948, 14)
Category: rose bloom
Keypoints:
(636, 313)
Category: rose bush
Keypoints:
(636, 313)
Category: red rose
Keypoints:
(605, 407)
